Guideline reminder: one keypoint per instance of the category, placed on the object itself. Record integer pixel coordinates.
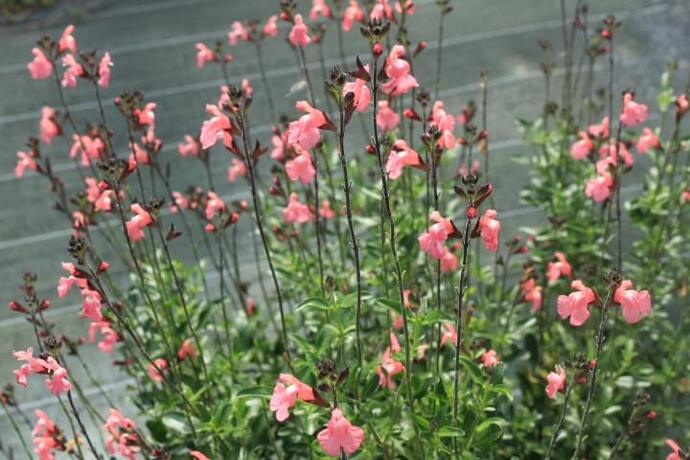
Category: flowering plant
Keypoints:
(384, 312)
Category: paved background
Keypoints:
(152, 44)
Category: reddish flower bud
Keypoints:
(44, 305)
(210, 228)
(371, 149)
(103, 266)
(377, 49)
(471, 212)
(462, 141)
(606, 33)
(581, 379)
(592, 364)
(651, 414)
(455, 246)
(483, 134)
(16, 306)
(411, 114)
(234, 217)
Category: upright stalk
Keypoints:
(561, 421)
(458, 315)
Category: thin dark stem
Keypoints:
(264, 79)
(439, 54)
(593, 379)
(305, 72)
(226, 321)
(458, 315)
(81, 426)
(16, 429)
(561, 421)
(317, 224)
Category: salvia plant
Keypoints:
(390, 315)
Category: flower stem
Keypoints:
(561, 421)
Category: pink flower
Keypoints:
(433, 240)
(250, 308)
(340, 435)
(214, 205)
(47, 127)
(575, 305)
(204, 55)
(40, 68)
(401, 155)
(104, 70)
(555, 270)
(361, 92)
(44, 434)
(155, 368)
(325, 210)
(450, 335)
(285, 394)
(301, 168)
(135, 226)
(57, 383)
(581, 148)
(490, 228)
(110, 337)
(599, 188)
(67, 41)
(238, 168)
(386, 118)
(305, 130)
(74, 70)
(146, 115)
(237, 32)
(490, 358)
(382, 10)
(198, 455)
(532, 293)
(400, 80)
(633, 112)
(648, 140)
(247, 87)
(299, 34)
(352, 13)
(555, 382)
(319, 9)
(611, 153)
(445, 122)
(33, 365)
(389, 365)
(271, 27)
(279, 142)
(25, 160)
(187, 350)
(87, 148)
(636, 304)
(218, 127)
(91, 305)
(189, 146)
(409, 7)
(677, 452)
(44, 425)
(449, 262)
(296, 212)
(601, 130)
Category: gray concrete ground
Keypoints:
(152, 44)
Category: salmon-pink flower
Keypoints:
(32, 365)
(67, 41)
(490, 228)
(58, 382)
(44, 434)
(361, 92)
(138, 156)
(214, 205)
(198, 455)
(250, 307)
(40, 68)
(270, 28)
(44, 425)
(305, 130)
(187, 350)
(648, 140)
(449, 262)
(409, 6)
(155, 368)
(189, 146)
(110, 337)
(218, 127)
(204, 55)
(555, 270)
(353, 13)
(633, 113)
(599, 188)
(146, 115)
(389, 367)
(555, 382)
(91, 305)
(279, 142)
(386, 118)
(600, 130)
(445, 122)
(319, 9)
(297, 212)
(25, 160)
(575, 305)
(382, 9)
(450, 335)
(285, 394)
(237, 32)
(301, 167)
(581, 148)
(238, 168)
(490, 358)
(676, 454)
(682, 104)
(401, 155)
(532, 293)
(432, 241)
(72, 72)
(400, 80)
(87, 148)
(635, 304)
(47, 127)
(610, 152)
(104, 70)
(340, 435)
(135, 226)
(325, 210)
(299, 34)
